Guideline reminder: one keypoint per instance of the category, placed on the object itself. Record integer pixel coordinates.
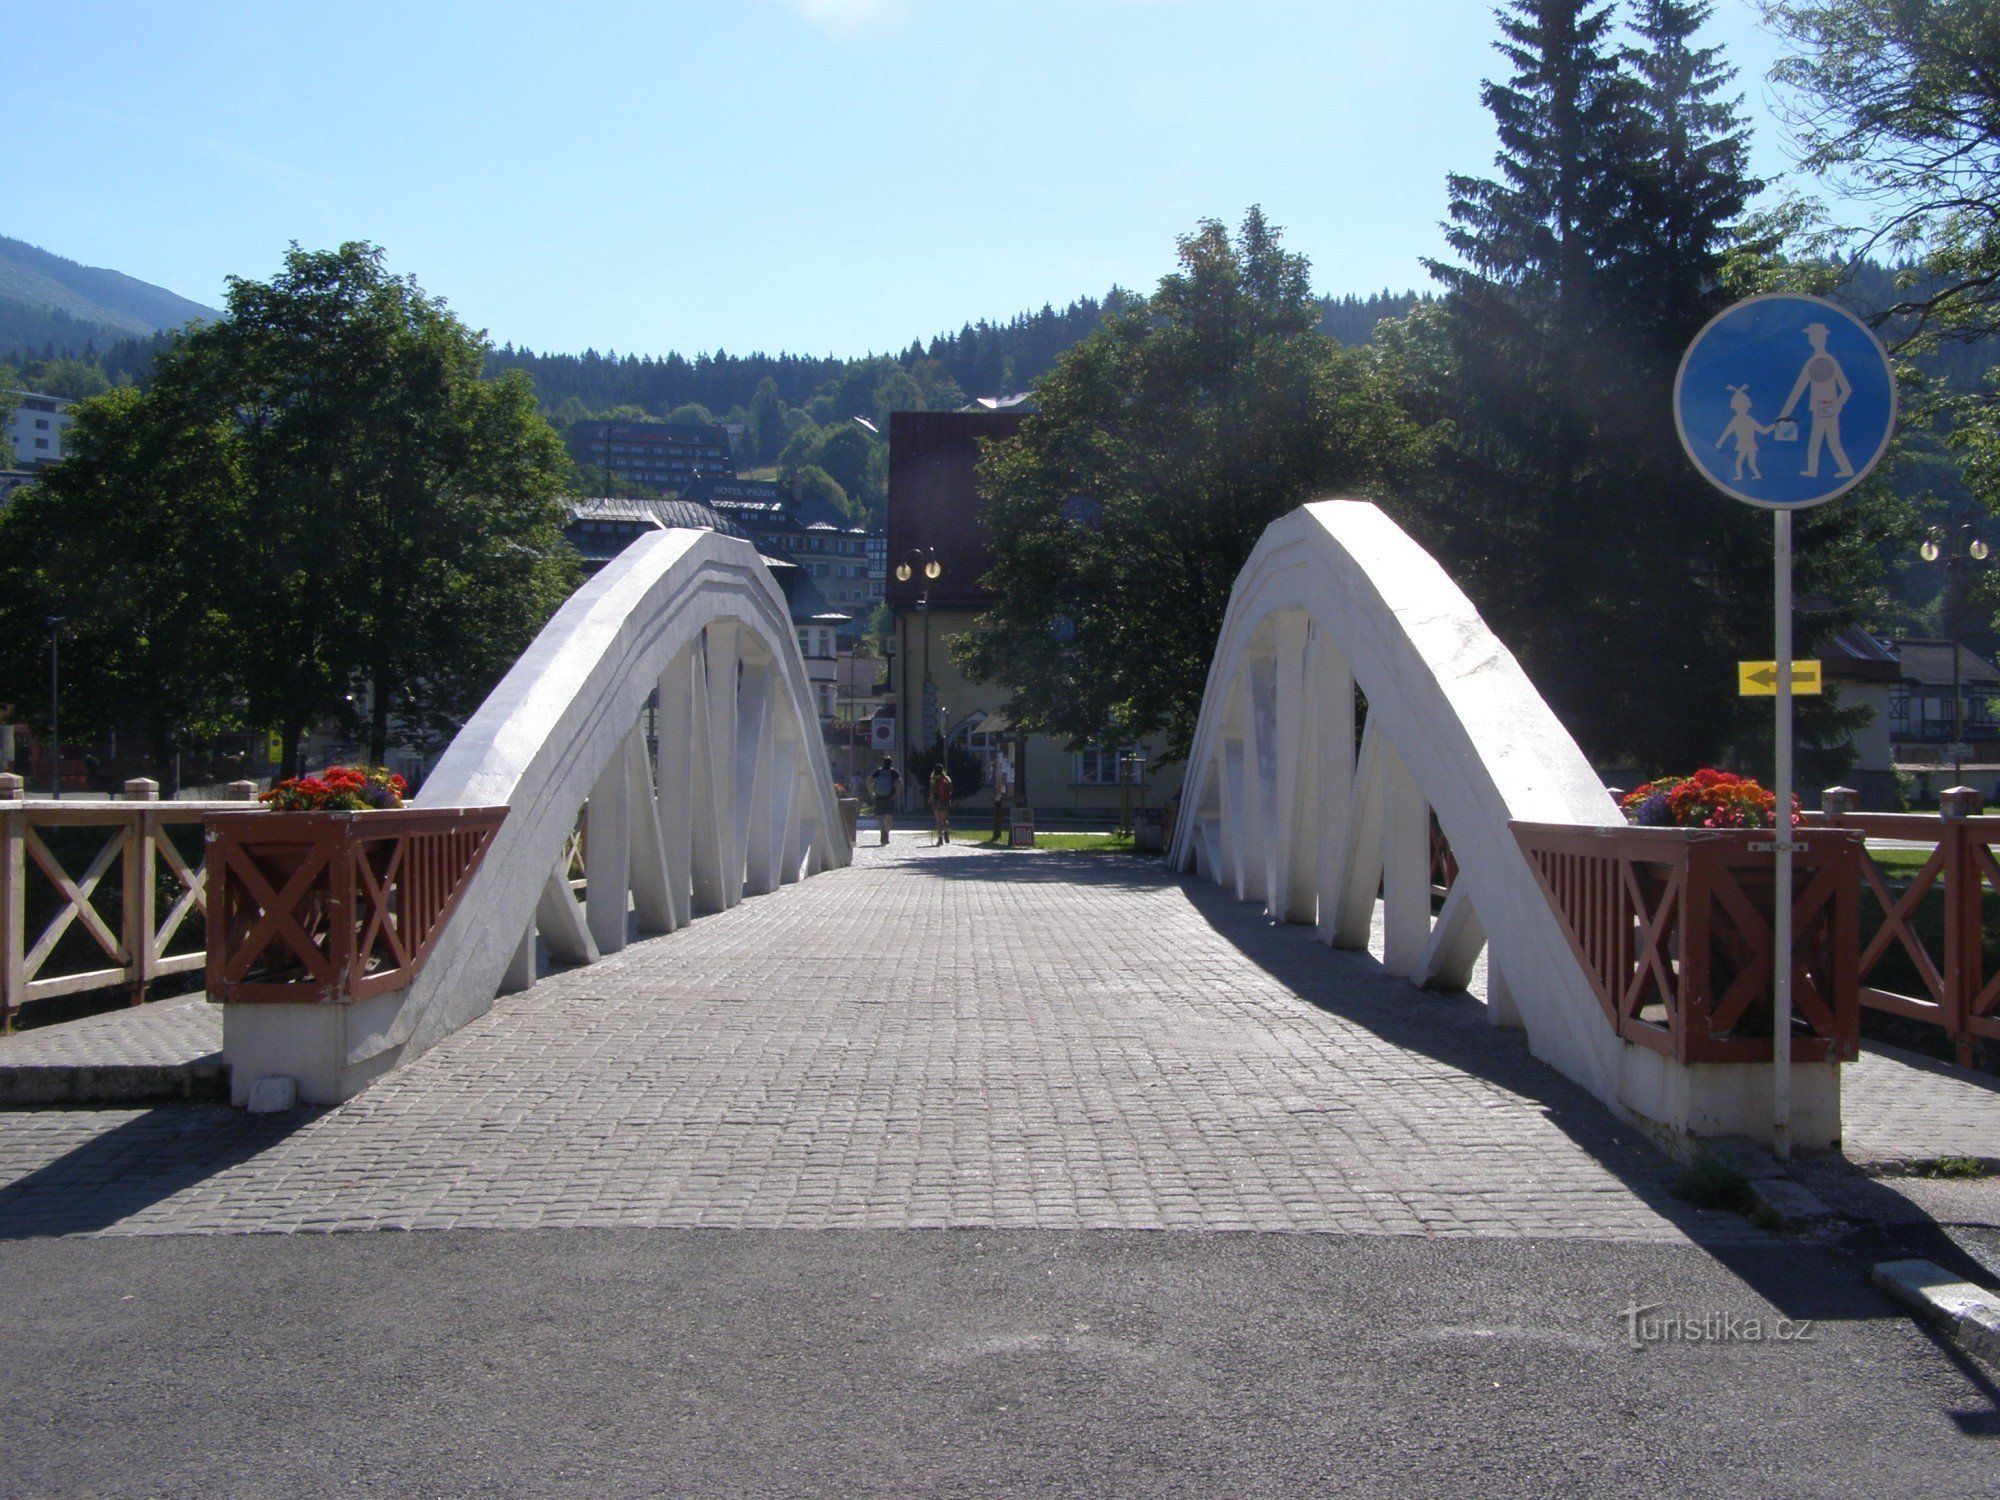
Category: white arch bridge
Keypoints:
(729, 796)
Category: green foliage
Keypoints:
(766, 421)
(815, 481)
(984, 358)
(855, 460)
(318, 496)
(1164, 445)
(10, 380)
(1709, 1184)
(1564, 505)
(133, 538)
(1900, 103)
(66, 376)
(1952, 1169)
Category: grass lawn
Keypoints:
(1090, 843)
(1899, 864)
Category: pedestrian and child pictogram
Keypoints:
(1785, 401)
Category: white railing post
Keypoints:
(139, 892)
(13, 898)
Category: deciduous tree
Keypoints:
(1162, 447)
(331, 502)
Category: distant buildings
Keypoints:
(840, 557)
(601, 528)
(37, 428)
(659, 455)
(840, 674)
(936, 512)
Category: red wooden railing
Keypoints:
(1673, 927)
(1444, 864)
(330, 906)
(1960, 995)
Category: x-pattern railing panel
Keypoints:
(77, 896)
(1959, 995)
(128, 926)
(335, 905)
(1683, 924)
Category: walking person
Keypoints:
(1003, 792)
(883, 784)
(941, 802)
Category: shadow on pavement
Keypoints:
(1037, 866)
(125, 1170)
(1819, 1278)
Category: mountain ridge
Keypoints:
(39, 289)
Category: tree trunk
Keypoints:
(378, 723)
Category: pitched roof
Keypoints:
(1929, 663)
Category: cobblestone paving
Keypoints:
(1897, 1106)
(181, 1030)
(948, 1037)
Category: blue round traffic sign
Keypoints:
(1785, 401)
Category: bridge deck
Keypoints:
(934, 1037)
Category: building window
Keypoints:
(1099, 765)
(971, 736)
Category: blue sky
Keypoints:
(823, 176)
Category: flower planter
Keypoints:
(1674, 927)
(331, 907)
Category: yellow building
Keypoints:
(937, 531)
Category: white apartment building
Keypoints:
(37, 428)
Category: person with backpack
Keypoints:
(941, 802)
(883, 784)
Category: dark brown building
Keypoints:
(934, 502)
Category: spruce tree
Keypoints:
(1689, 173)
(1527, 314)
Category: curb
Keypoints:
(1970, 1314)
(205, 1080)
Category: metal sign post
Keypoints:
(1746, 439)
(1781, 907)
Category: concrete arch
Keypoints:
(1281, 804)
(737, 802)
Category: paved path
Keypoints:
(988, 1363)
(954, 1037)
(1016, 1042)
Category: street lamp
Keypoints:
(55, 624)
(924, 559)
(1975, 549)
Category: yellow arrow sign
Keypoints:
(1759, 679)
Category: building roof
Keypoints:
(42, 401)
(760, 502)
(678, 434)
(1929, 663)
(1856, 656)
(667, 514)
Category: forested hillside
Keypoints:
(980, 359)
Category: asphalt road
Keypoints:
(702, 1362)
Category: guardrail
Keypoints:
(1674, 928)
(334, 906)
(1961, 995)
(135, 848)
